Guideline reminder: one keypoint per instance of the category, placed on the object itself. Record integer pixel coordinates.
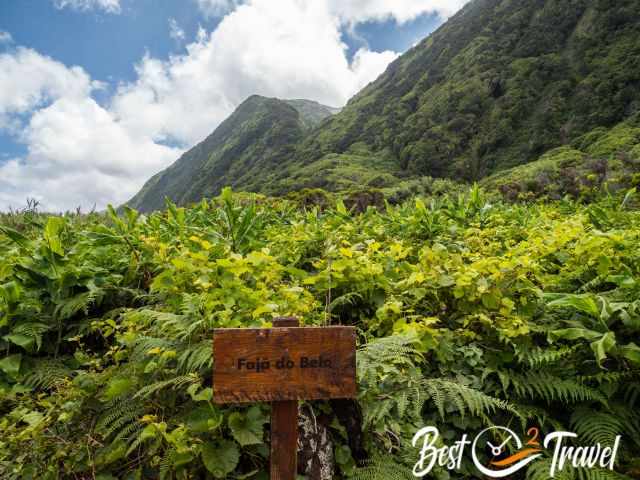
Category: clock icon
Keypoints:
(497, 451)
(507, 438)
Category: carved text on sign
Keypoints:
(290, 363)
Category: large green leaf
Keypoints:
(220, 458)
(33, 418)
(118, 386)
(10, 291)
(631, 352)
(112, 452)
(203, 419)
(604, 345)
(52, 234)
(584, 303)
(15, 236)
(20, 339)
(11, 364)
(575, 334)
(247, 427)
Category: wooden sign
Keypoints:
(289, 363)
(283, 365)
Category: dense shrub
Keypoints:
(469, 313)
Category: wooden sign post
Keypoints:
(283, 365)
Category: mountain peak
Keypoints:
(242, 151)
(498, 85)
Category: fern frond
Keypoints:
(47, 374)
(195, 358)
(597, 474)
(119, 416)
(545, 356)
(389, 347)
(128, 431)
(465, 399)
(144, 344)
(605, 377)
(539, 470)
(632, 394)
(79, 303)
(383, 469)
(630, 418)
(542, 417)
(595, 427)
(33, 330)
(348, 299)
(547, 387)
(177, 383)
(161, 320)
(386, 349)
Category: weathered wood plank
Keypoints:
(288, 363)
(284, 440)
(284, 429)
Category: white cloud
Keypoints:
(81, 153)
(175, 32)
(78, 154)
(214, 8)
(368, 66)
(109, 6)
(5, 37)
(353, 11)
(291, 49)
(28, 79)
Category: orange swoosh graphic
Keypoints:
(515, 457)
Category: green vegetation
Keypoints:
(470, 312)
(601, 160)
(519, 307)
(245, 150)
(499, 85)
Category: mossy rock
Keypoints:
(312, 197)
(359, 201)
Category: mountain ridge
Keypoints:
(496, 86)
(256, 135)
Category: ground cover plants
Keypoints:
(470, 312)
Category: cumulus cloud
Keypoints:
(5, 37)
(214, 8)
(78, 154)
(353, 11)
(28, 79)
(175, 32)
(81, 152)
(293, 50)
(109, 6)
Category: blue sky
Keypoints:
(125, 70)
(108, 46)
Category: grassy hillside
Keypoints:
(499, 84)
(470, 312)
(243, 151)
(602, 160)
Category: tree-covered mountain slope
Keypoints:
(603, 159)
(253, 140)
(498, 85)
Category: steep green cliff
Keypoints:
(250, 143)
(498, 85)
